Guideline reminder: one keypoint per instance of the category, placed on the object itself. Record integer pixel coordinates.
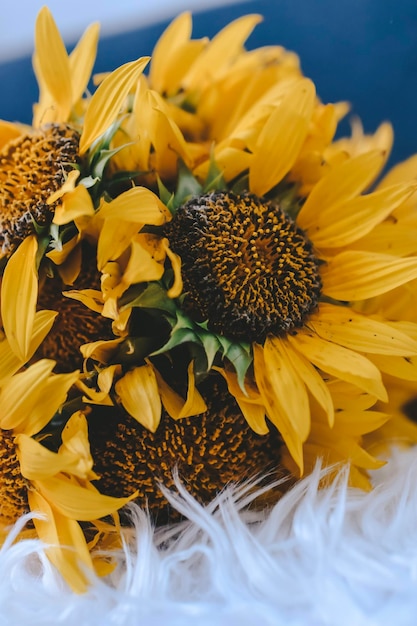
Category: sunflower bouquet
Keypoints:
(196, 276)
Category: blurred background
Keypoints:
(363, 51)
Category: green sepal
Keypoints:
(240, 356)
(214, 180)
(103, 159)
(187, 187)
(166, 196)
(211, 346)
(148, 296)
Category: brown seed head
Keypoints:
(247, 267)
(32, 167)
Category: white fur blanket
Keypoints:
(331, 557)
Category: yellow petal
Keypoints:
(281, 138)
(347, 396)
(230, 160)
(54, 390)
(166, 137)
(339, 227)
(397, 366)
(92, 298)
(341, 184)
(357, 332)
(340, 362)
(394, 236)
(101, 350)
(357, 275)
(221, 51)
(266, 379)
(312, 380)
(19, 292)
(138, 393)
(8, 131)
(9, 362)
(139, 205)
(21, 394)
(66, 545)
(289, 388)
(107, 101)
(74, 204)
(402, 172)
(142, 265)
(250, 404)
(176, 288)
(82, 59)
(171, 55)
(78, 502)
(73, 456)
(68, 185)
(174, 404)
(115, 237)
(36, 461)
(52, 63)
(42, 324)
(76, 446)
(59, 256)
(357, 423)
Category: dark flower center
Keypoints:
(13, 487)
(32, 167)
(247, 267)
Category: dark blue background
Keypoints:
(364, 51)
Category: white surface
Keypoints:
(17, 18)
(336, 557)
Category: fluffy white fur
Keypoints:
(319, 557)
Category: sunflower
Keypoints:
(35, 476)
(241, 266)
(207, 245)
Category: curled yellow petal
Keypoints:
(174, 404)
(75, 204)
(176, 288)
